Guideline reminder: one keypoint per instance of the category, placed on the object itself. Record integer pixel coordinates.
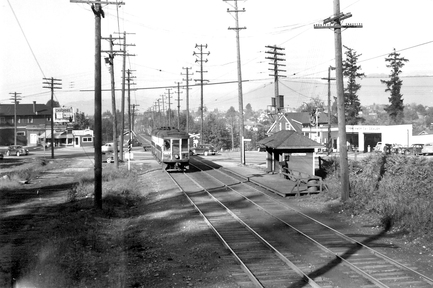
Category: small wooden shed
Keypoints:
(290, 148)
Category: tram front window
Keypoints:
(176, 148)
(184, 145)
(166, 144)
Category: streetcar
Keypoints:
(170, 147)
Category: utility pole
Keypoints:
(159, 113)
(133, 114)
(122, 115)
(53, 84)
(329, 144)
(16, 100)
(200, 59)
(169, 106)
(110, 60)
(240, 95)
(129, 78)
(163, 108)
(178, 105)
(187, 79)
(334, 22)
(276, 58)
(98, 12)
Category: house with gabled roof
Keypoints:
(297, 121)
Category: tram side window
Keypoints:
(166, 144)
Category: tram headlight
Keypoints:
(177, 156)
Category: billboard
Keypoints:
(64, 114)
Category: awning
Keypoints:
(57, 135)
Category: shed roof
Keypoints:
(289, 139)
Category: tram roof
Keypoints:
(169, 132)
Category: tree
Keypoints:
(352, 105)
(315, 107)
(248, 111)
(393, 85)
(55, 103)
(82, 122)
(231, 115)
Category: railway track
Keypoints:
(264, 265)
(367, 267)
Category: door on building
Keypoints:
(371, 139)
(33, 139)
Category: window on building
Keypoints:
(87, 139)
(2, 120)
(21, 133)
(287, 126)
(30, 119)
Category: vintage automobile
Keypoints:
(108, 148)
(17, 150)
(205, 149)
(427, 149)
(417, 149)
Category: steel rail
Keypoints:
(244, 267)
(338, 233)
(304, 276)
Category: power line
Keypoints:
(25, 37)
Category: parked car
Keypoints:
(17, 150)
(417, 149)
(205, 149)
(427, 149)
(108, 148)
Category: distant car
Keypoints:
(17, 150)
(427, 149)
(108, 148)
(205, 149)
(417, 149)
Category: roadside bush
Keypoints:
(405, 193)
(364, 178)
(119, 186)
(397, 188)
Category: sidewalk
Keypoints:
(255, 173)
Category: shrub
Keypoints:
(395, 187)
(118, 185)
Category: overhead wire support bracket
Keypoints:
(97, 2)
(331, 26)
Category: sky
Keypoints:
(55, 38)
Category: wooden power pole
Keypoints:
(187, 79)
(52, 84)
(16, 98)
(98, 12)
(199, 55)
(240, 95)
(334, 22)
